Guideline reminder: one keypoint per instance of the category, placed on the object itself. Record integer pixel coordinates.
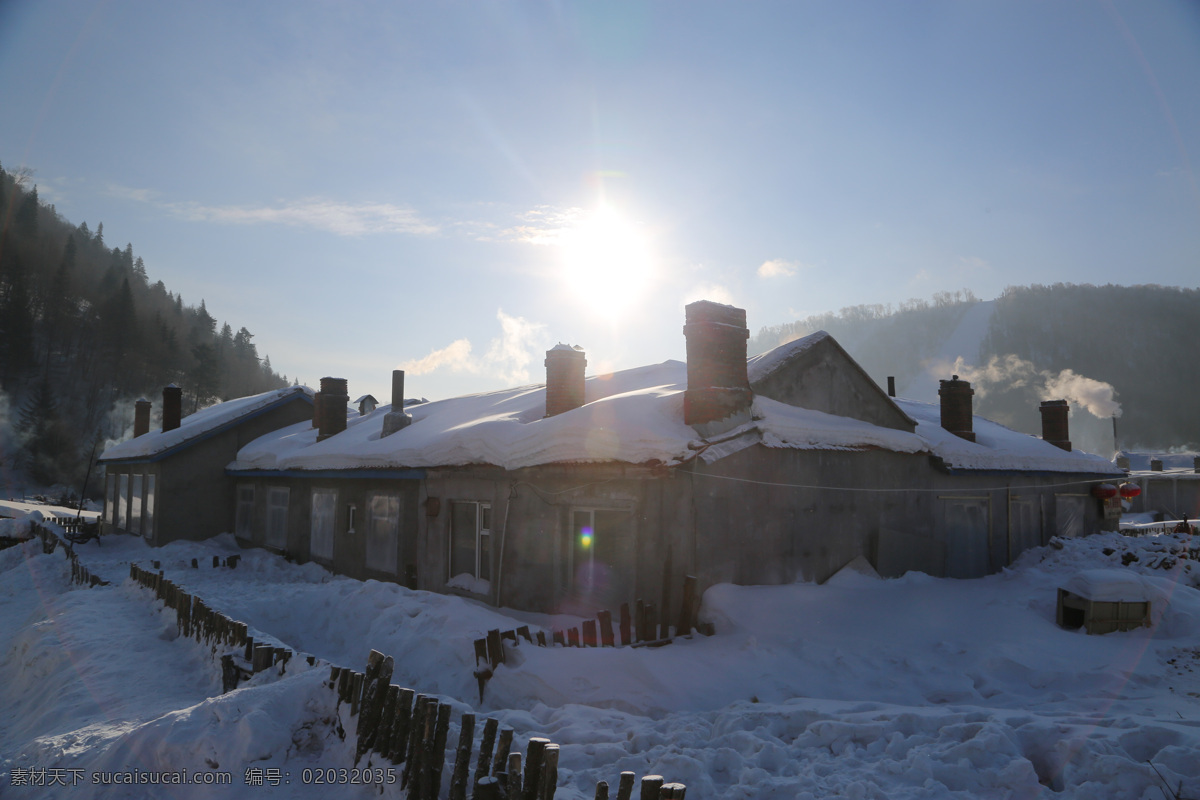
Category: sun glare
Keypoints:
(607, 262)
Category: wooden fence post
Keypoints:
(495, 648)
(487, 789)
(601, 790)
(416, 732)
(626, 624)
(589, 633)
(513, 784)
(548, 780)
(486, 745)
(375, 683)
(606, 628)
(439, 750)
(462, 758)
(533, 766)
(625, 787)
(672, 791)
(387, 714)
(500, 762)
(651, 784)
(401, 726)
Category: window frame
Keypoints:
(481, 540)
(381, 542)
(276, 533)
(325, 536)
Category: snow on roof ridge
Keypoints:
(199, 423)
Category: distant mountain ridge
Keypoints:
(1132, 352)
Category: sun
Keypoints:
(607, 261)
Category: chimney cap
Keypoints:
(569, 347)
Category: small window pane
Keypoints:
(245, 511)
(135, 504)
(324, 508)
(277, 508)
(383, 532)
(148, 515)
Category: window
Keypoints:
(383, 532)
(243, 526)
(471, 539)
(135, 504)
(110, 510)
(123, 502)
(324, 509)
(148, 513)
(277, 509)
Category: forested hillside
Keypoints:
(84, 332)
(1127, 351)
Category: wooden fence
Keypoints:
(404, 727)
(393, 723)
(641, 626)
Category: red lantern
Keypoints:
(1105, 491)
(1130, 491)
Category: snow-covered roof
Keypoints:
(205, 422)
(1183, 462)
(997, 447)
(634, 416)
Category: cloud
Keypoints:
(544, 226)
(332, 216)
(778, 268)
(343, 219)
(1013, 372)
(455, 356)
(508, 357)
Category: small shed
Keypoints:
(1103, 601)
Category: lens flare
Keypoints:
(607, 261)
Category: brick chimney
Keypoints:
(396, 419)
(564, 378)
(718, 388)
(334, 397)
(172, 407)
(316, 420)
(1055, 427)
(141, 417)
(1156, 465)
(957, 413)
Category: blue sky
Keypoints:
(455, 187)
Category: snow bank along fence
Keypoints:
(396, 724)
(79, 573)
(411, 729)
(196, 619)
(643, 626)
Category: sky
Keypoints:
(453, 188)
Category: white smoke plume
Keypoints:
(508, 356)
(1013, 372)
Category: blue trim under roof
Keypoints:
(208, 434)
(327, 474)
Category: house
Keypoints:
(171, 484)
(581, 493)
(1170, 483)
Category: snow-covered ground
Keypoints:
(862, 688)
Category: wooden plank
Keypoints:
(606, 633)
(503, 745)
(375, 685)
(548, 780)
(533, 767)
(495, 648)
(625, 786)
(401, 725)
(687, 619)
(486, 745)
(462, 758)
